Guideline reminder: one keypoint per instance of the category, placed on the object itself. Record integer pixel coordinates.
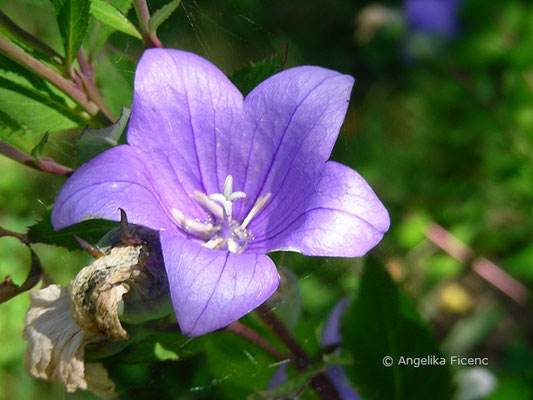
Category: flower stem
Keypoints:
(44, 164)
(254, 337)
(27, 38)
(143, 14)
(16, 54)
(299, 358)
(87, 77)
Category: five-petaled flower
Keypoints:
(226, 180)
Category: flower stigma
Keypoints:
(221, 232)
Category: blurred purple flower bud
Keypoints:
(437, 17)
(192, 139)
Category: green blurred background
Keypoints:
(441, 128)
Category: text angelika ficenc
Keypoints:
(435, 360)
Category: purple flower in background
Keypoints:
(437, 17)
(226, 180)
(331, 337)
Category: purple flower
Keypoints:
(226, 180)
(437, 17)
(331, 337)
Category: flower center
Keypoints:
(221, 231)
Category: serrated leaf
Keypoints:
(29, 104)
(110, 16)
(162, 14)
(99, 33)
(256, 72)
(92, 231)
(94, 141)
(383, 322)
(73, 20)
(8, 289)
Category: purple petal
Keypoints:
(342, 218)
(331, 333)
(342, 384)
(212, 288)
(292, 121)
(185, 115)
(279, 377)
(115, 179)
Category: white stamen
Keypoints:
(208, 204)
(233, 246)
(259, 204)
(189, 225)
(224, 233)
(214, 243)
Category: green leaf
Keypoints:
(92, 231)
(162, 14)
(8, 289)
(110, 16)
(256, 72)
(73, 20)
(99, 33)
(38, 150)
(94, 141)
(148, 348)
(164, 354)
(115, 78)
(238, 365)
(29, 104)
(293, 387)
(383, 322)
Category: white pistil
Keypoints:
(224, 233)
(227, 197)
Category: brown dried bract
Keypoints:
(99, 287)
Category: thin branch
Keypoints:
(143, 14)
(485, 268)
(6, 232)
(44, 164)
(87, 77)
(27, 38)
(20, 57)
(299, 358)
(254, 337)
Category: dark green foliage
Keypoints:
(384, 322)
(92, 231)
(238, 364)
(254, 73)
